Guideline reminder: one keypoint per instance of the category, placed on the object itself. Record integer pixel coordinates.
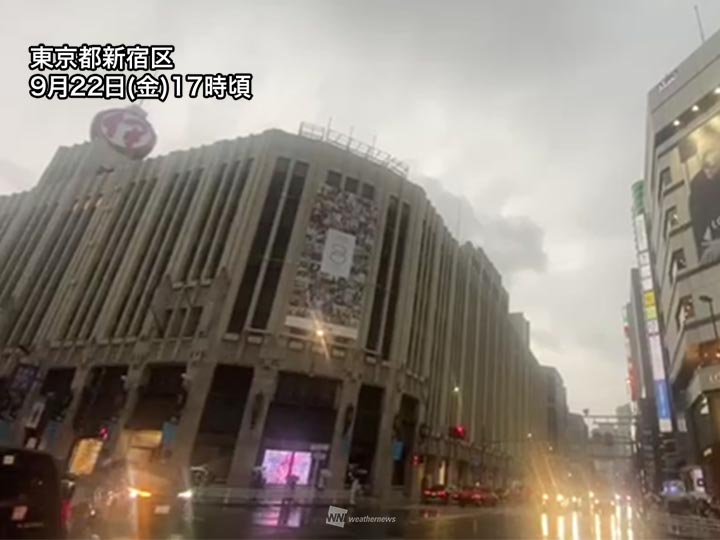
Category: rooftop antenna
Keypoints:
(327, 129)
(459, 215)
(699, 23)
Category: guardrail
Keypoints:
(685, 526)
(269, 496)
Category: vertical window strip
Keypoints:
(198, 227)
(186, 190)
(133, 284)
(395, 283)
(58, 265)
(221, 200)
(268, 213)
(79, 300)
(229, 212)
(114, 255)
(382, 275)
(280, 243)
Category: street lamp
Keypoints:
(709, 301)
(456, 389)
(529, 435)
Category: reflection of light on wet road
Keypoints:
(283, 516)
(613, 527)
(545, 525)
(575, 526)
(561, 527)
(598, 529)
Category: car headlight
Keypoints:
(187, 494)
(135, 493)
(545, 497)
(559, 498)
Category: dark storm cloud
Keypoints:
(514, 243)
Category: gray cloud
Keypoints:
(513, 243)
(529, 114)
(14, 177)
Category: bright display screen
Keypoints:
(279, 464)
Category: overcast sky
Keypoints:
(529, 116)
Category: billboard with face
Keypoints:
(699, 155)
(329, 285)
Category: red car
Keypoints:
(476, 495)
(437, 493)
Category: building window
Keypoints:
(368, 191)
(333, 179)
(351, 185)
(671, 220)
(665, 181)
(685, 311)
(677, 263)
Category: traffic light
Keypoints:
(458, 432)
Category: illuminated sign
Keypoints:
(125, 130)
(652, 327)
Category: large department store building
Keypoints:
(277, 300)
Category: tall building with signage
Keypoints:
(642, 389)
(681, 207)
(290, 302)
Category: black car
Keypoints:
(31, 496)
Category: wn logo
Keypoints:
(336, 516)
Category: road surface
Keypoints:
(516, 522)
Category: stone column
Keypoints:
(340, 447)
(198, 380)
(66, 432)
(133, 379)
(383, 463)
(249, 436)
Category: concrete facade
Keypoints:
(681, 121)
(165, 283)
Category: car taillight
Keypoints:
(443, 493)
(66, 514)
(426, 492)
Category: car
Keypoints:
(554, 502)
(476, 495)
(31, 495)
(437, 493)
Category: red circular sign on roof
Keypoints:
(126, 130)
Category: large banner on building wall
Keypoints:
(334, 266)
(699, 154)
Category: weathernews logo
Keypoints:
(336, 516)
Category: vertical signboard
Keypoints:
(662, 397)
(333, 269)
